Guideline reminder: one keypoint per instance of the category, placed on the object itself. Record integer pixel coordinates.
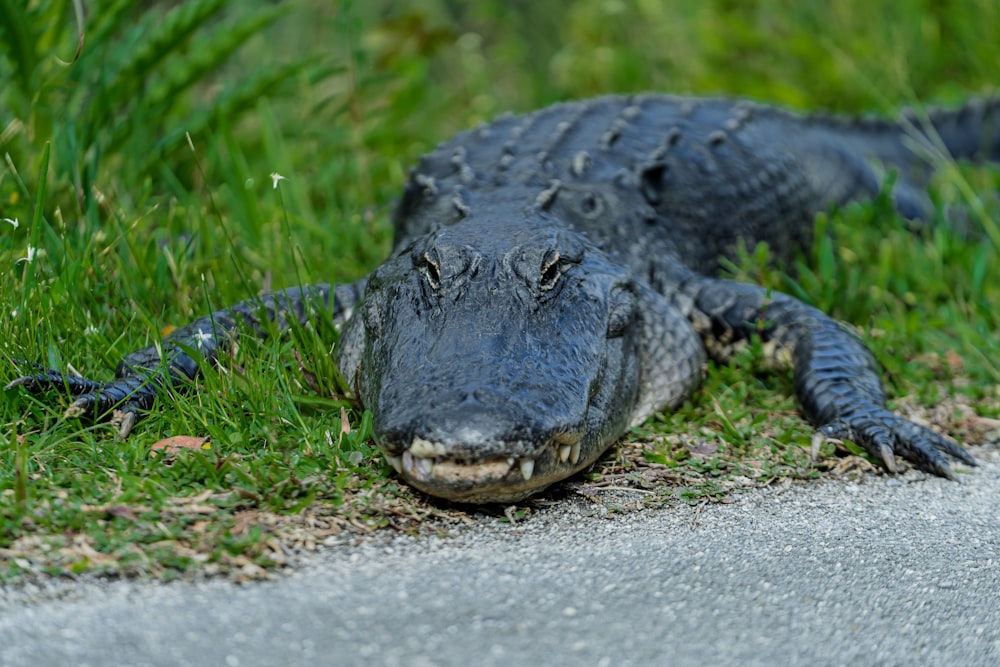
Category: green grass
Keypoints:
(140, 174)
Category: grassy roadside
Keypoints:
(141, 179)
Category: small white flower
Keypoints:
(202, 337)
(91, 330)
(13, 313)
(13, 222)
(30, 256)
(275, 178)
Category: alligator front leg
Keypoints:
(147, 373)
(835, 375)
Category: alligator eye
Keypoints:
(550, 271)
(432, 271)
(622, 311)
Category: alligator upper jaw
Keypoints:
(427, 466)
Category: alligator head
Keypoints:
(496, 357)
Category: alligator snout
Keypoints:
(426, 465)
(480, 445)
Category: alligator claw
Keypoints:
(886, 435)
(21, 381)
(888, 460)
(125, 419)
(118, 401)
(52, 379)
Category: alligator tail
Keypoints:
(970, 132)
(848, 159)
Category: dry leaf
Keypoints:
(703, 449)
(345, 424)
(955, 363)
(176, 443)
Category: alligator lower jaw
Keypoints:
(494, 480)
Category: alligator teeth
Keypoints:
(424, 467)
(564, 451)
(527, 468)
(426, 449)
(396, 462)
(574, 454)
(419, 466)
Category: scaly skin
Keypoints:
(552, 282)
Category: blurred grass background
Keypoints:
(138, 143)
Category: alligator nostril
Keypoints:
(591, 206)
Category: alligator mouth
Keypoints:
(427, 466)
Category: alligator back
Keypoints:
(656, 174)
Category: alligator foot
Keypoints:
(885, 435)
(122, 401)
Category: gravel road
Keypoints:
(891, 571)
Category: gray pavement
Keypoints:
(898, 571)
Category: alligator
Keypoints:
(554, 280)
